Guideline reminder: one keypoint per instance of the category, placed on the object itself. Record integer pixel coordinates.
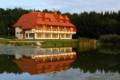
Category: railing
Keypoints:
(55, 31)
(56, 57)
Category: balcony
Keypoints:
(55, 31)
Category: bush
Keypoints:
(109, 43)
(111, 39)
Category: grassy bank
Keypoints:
(60, 43)
(45, 43)
(82, 43)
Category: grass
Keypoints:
(44, 42)
(60, 43)
(4, 41)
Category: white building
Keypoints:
(39, 25)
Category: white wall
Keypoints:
(18, 33)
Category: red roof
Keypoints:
(30, 20)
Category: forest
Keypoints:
(89, 24)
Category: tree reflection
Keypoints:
(7, 64)
(88, 61)
(94, 61)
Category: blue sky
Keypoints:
(64, 5)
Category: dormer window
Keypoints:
(61, 21)
(47, 19)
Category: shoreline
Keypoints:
(42, 43)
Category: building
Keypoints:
(38, 52)
(34, 67)
(46, 60)
(59, 59)
(41, 25)
(39, 64)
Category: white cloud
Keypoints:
(64, 5)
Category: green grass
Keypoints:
(45, 42)
(60, 43)
(4, 41)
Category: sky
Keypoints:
(70, 74)
(72, 6)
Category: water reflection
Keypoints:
(41, 60)
(7, 64)
(65, 63)
(93, 61)
(87, 44)
(109, 49)
(34, 67)
(56, 59)
(19, 51)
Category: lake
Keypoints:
(63, 63)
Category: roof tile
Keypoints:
(29, 20)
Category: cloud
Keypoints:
(64, 5)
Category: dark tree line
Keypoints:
(8, 18)
(95, 24)
(90, 24)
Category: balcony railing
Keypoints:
(54, 31)
(51, 29)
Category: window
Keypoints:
(39, 35)
(48, 28)
(68, 49)
(67, 35)
(31, 35)
(61, 28)
(47, 35)
(47, 19)
(62, 50)
(55, 35)
(68, 29)
(61, 21)
(26, 35)
(39, 27)
(18, 33)
(62, 35)
(55, 28)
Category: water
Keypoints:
(27, 63)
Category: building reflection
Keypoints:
(60, 59)
(42, 51)
(90, 61)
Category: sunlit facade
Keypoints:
(40, 25)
